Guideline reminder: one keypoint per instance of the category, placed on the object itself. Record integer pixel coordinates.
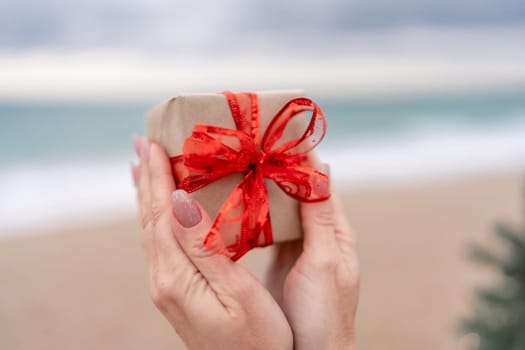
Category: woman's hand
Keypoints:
(211, 302)
(316, 281)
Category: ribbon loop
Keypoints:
(311, 137)
(212, 152)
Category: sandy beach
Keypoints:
(86, 287)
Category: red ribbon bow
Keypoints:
(212, 152)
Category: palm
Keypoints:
(290, 266)
(218, 306)
(302, 285)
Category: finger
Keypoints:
(169, 253)
(191, 229)
(137, 143)
(172, 272)
(345, 235)
(319, 221)
(162, 185)
(135, 174)
(342, 226)
(144, 198)
(135, 169)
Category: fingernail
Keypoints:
(145, 149)
(326, 169)
(185, 209)
(136, 143)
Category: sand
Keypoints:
(86, 287)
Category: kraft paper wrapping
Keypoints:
(171, 122)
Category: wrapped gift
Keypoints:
(245, 159)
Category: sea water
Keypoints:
(69, 162)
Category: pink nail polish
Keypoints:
(326, 169)
(185, 209)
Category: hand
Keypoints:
(316, 281)
(211, 302)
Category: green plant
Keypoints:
(499, 314)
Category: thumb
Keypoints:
(191, 227)
(319, 222)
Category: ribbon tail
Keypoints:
(248, 207)
(216, 241)
(267, 229)
(300, 182)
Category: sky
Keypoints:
(99, 49)
(211, 25)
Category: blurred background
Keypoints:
(425, 104)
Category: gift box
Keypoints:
(244, 157)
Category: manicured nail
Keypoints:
(144, 152)
(137, 141)
(326, 169)
(185, 209)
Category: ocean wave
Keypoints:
(61, 193)
(428, 152)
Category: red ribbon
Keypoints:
(212, 152)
